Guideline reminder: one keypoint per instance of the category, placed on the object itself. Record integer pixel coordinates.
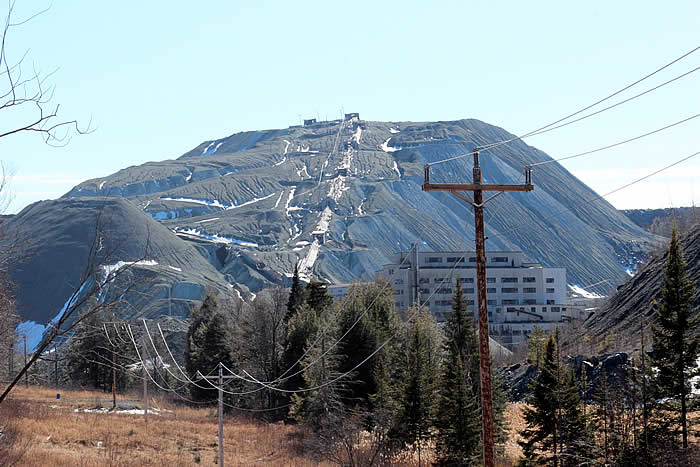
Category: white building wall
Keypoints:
(520, 295)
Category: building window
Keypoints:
(491, 302)
(550, 280)
(509, 280)
(470, 302)
(435, 259)
(509, 302)
(490, 280)
(438, 280)
(425, 291)
(426, 304)
(399, 292)
(472, 259)
(550, 290)
(443, 302)
(544, 309)
(509, 290)
(530, 301)
(563, 309)
(390, 271)
(453, 259)
(533, 309)
(499, 259)
(550, 302)
(398, 282)
(529, 279)
(469, 290)
(491, 290)
(555, 309)
(529, 290)
(517, 332)
(444, 290)
(466, 280)
(424, 280)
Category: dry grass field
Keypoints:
(45, 431)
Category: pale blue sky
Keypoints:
(157, 78)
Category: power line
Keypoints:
(549, 126)
(619, 143)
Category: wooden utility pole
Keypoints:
(26, 373)
(484, 353)
(114, 379)
(220, 379)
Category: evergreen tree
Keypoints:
(418, 380)
(300, 331)
(458, 418)
(536, 345)
(296, 295)
(366, 320)
(209, 342)
(323, 404)
(555, 423)
(676, 340)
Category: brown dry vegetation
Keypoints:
(46, 431)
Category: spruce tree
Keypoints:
(457, 419)
(676, 337)
(418, 378)
(555, 432)
(322, 405)
(209, 341)
(367, 319)
(301, 329)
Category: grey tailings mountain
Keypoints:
(337, 196)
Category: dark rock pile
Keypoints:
(517, 378)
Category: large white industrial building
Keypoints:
(521, 295)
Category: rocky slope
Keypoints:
(622, 314)
(342, 196)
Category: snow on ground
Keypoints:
(307, 264)
(303, 243)
(189, 177)
(175, 268)
(359, 208)
(695, 382)
(324, 222)
(101, 185)
(278, 199)
(303, 170)
(357, 135)
(303, 149)
(254, 200)
(393, 131)
(386, 148)
(284, 159)
(396, 169)
(289, 200)
(577, 289)
(208, 151)
(208, 220)
(216, 203)
(151, 411)
(287, 146)
(214, 237)
(111, 269)
(337, 188)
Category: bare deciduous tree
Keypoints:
(26, 96)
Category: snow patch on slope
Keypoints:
(214, 237)
(386, 148)
(580, 291)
